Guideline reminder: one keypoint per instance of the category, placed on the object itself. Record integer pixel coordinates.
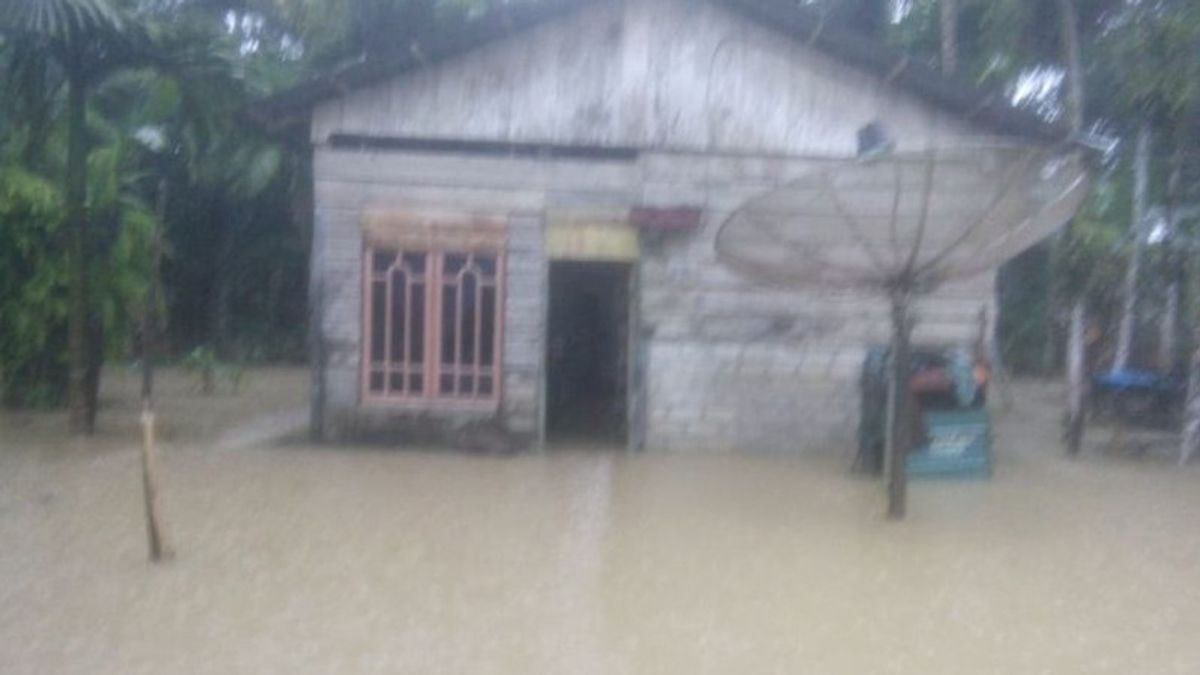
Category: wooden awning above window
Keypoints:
(433, 230)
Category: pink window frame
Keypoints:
(432, 368)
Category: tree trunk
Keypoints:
(1190, 436)
(1169, 329)
(220, 329)
(1076, 378)
(949, 35)
(95, 363)
(37, 112)
(160, 545)
(81, 417)
(219, 319)
(1077, 366)
(317, 350)
(274, 294)
(900, 431)
(1049, 356)
(1071, 57)
(302, 217)
(1141, 169)
(1069, 36)
(1170, 324)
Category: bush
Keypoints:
(204, 364)
(33, 276)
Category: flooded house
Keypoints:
(514, 226)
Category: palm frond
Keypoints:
(60, 19)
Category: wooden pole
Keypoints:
(901, 418)
(160, 545)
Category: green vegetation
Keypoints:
(33, 274)
(109, 101)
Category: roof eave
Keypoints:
(987, 109)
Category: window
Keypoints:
(432, 326)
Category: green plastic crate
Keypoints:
(960, 445)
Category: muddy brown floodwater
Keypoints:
(304, 559)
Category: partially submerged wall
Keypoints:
(728, 364)
(736, 365)
(351, 182)
(709, 110)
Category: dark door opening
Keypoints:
(587, 343)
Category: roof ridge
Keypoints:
(896, 67)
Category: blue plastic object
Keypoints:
(1129, 378)
(1140, 397)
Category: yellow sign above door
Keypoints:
(591, 235)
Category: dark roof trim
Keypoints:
(484, 148)
(976, 105)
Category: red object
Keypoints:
(668, 219)
(932, 380)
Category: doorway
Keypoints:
(587, 360)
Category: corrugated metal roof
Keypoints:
(988, 109)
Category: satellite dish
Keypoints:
(900, 225)
(903, 220)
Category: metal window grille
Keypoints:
(432, 326)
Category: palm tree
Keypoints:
(87, 39)
(1076, 348)
(949, 36)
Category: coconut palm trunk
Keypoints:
(1129, 291)
(1190, 429)
(949, 35)
(1169, 326)
(87, 39)
(81, 416)
(1190, 433)
(1077, 366)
